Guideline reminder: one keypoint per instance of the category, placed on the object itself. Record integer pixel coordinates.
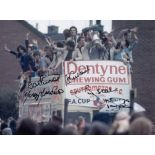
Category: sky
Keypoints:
(63, 24)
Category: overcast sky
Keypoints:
(63, 24)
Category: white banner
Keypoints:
(42, 90)
(102, 84)
(40, 94)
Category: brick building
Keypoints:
(13, 33)
(144, 62)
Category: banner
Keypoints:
(43, 90)
(40, 96)
(37, 112)
(100, 84)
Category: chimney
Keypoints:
(90, 23)
(37, 26)
(98, 22)
(53, 30)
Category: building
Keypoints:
(54, 35)
(144, 62)
(12, 33)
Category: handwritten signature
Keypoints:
(99, 91)
(118, 106)
(104, 101)
(39, 95)
(42, 81)
(72, 76)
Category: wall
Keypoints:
(144, 62)
(13, 33)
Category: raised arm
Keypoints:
(6, 48)
(113, 38)
(48, 41)
(27, 40)
(35, 43)
(77, 56)
(121, 33)
(9, 50)
(135, 29)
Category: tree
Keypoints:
(8, 104)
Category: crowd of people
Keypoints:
(123, 124)
(88, 45)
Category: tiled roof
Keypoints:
(33, 29)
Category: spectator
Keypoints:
(136, 115)
(7, 131)
(27, 127)
(68, 53)
(119, 53)
(13, 126)
(41, 64)
(50, 129)
(86, 129)
(56, 65)
(129, 46)
(73, 35)
(81, 43)
(141, 126)
(70, 129)
(72, 53)
(66, 33)
(3, 126)
(98, 128)
(57, 120)
(96, 51)
(121, 124)
(81, 124)
(1, 121)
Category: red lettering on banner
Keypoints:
(96, 69)
(112, 70)
(81, 68)
(73, 67)
(104, 69)
(116, 80)
(122, 70)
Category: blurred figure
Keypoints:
(73, 35)
(57, 120)
(1, 121)
(50, 129)
(98, 128)
(81, 44)
(94, 50)
(121, 124)
(141, 126)
(27, 127)
(3, 126)
(13, 126)
(7, 131)
(86, 129)
(68, 53)
(70, 129)
(136, 115)
(66, 33)
(9, 120)
(81, 124)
